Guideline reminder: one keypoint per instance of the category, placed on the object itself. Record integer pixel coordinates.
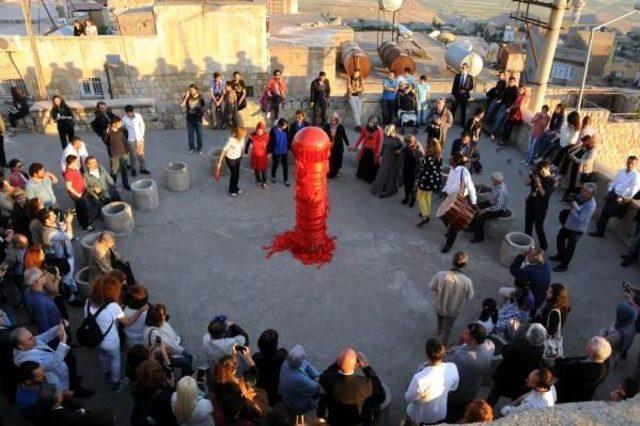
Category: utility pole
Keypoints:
(540, 77)
(26, 12)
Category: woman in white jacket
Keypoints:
(569, 136)
(157, 329)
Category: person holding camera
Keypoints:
(542, 184)
(158, 331)
(56, 239)
(222, 336)
(350, 398)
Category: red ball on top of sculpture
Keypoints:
(308, 241)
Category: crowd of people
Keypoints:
(516, 341)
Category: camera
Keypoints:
(239, 348)
(158, 340)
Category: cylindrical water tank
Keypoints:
(352, 56)
(394, 58)
(460, 53)
(390, 5)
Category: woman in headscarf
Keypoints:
(258, 140)
(338, 137)
(621, 333)
(388, 177)
(369, 157)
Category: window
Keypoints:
(562, 71)
(91, 88)
(7, 84)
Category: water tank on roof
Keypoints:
(390, 5)
(462, 52)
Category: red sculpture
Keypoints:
(309, 241)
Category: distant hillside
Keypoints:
(594, 11)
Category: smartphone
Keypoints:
(158, 340)
(625, 286)
(200, 374)
(239, 348)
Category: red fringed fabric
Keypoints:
(308, 241)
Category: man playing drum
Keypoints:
(455, 210)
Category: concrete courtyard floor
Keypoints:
(201, 253)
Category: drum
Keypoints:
(456, 212)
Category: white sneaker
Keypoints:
(191, 151)
(233, 195)
(239, 191)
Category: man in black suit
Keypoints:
(462, 85)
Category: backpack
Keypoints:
(89, 333)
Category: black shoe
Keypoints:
(128, 188)
(145, 172)
(596, 234)
(80, 392)
(287, 184)
(560, 268)
(446, 248)
(627, 262)
(412, 202)
(405, 201)
(133, 173)
(273, 180)
(475, 240)
(555, 258)
(624, 256)
(423, 222)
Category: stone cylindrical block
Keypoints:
(498, 227)
(118, 217)
(82, 280)
(145, 194)
(177, 176)
(87, 242)
(514, 243)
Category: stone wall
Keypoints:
(191, 39)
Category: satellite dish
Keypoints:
(390, 5)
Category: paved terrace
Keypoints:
(201, 253)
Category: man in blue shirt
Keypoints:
(31, 377)
(278, 148)
(576, 224)
(389, 89)
(42, 310)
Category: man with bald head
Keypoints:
(349, 398)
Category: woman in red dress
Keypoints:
(369, 157)
(258, 140)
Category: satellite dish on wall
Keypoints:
(390, 5)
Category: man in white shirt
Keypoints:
(429, 388)
(77, 148)
(458, 176)
(220, 340)
(621, 190)
(542, 394)
(134, 124)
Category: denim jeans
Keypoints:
(531, 149)
(110, 360)
(423, 110)
(194, 127)
(501, 118)
(489, 116)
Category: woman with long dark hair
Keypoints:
(369, 156)
(258, 141)
(62, 115)
(552, 133)
(232, 154)
(429, 178)
(557, 300)
(338, 136)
